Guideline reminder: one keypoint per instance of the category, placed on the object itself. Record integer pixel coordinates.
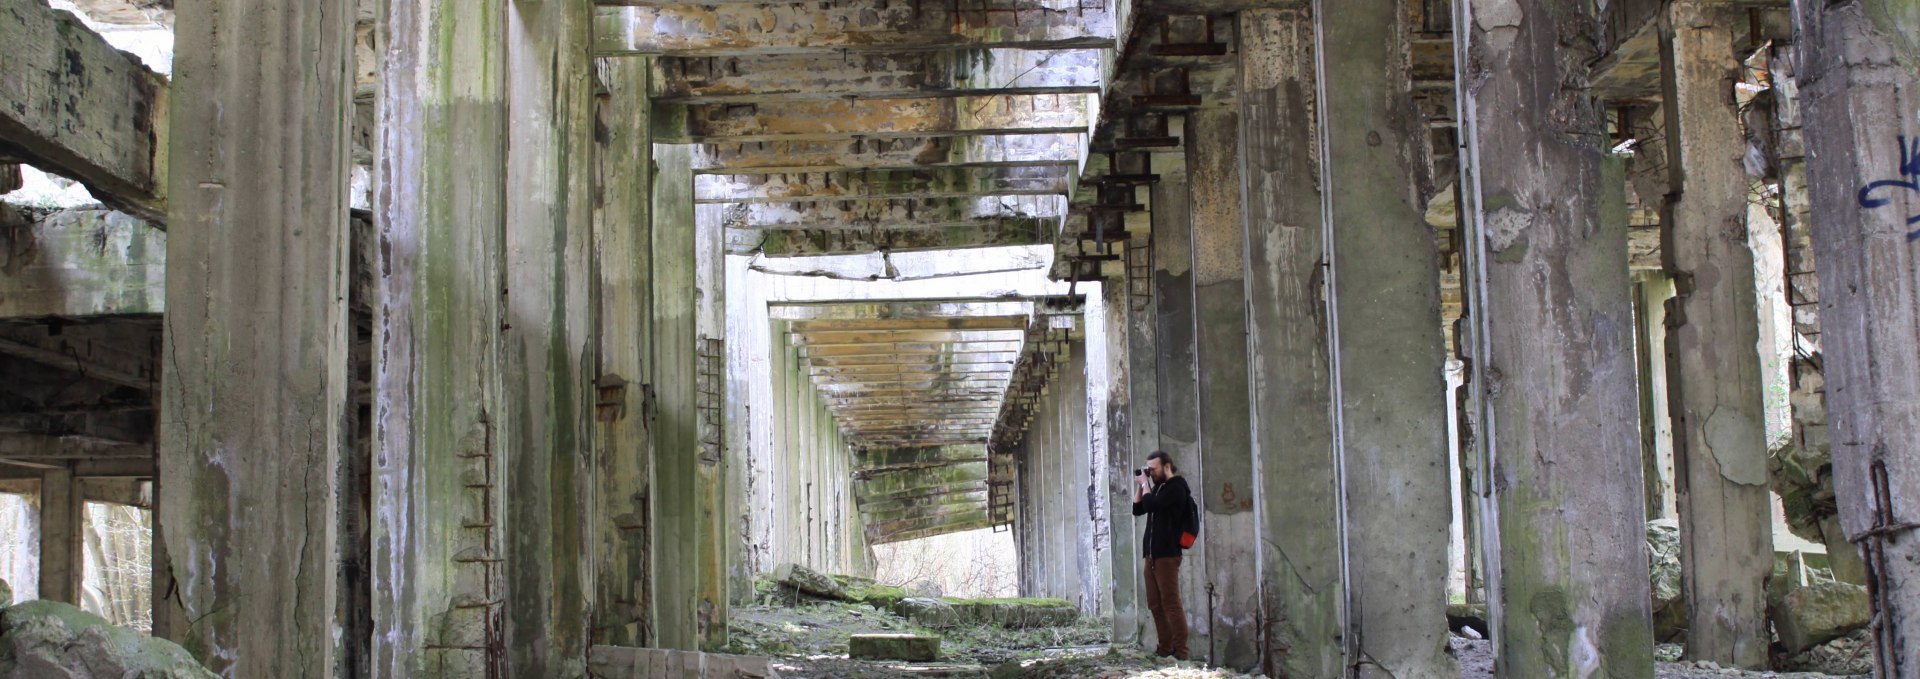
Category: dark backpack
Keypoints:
(1190, 529)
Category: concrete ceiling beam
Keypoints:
(910, 349)
(845, 25)
(960, 322)
(936, 531)
(1005, 358)
(881, 184)
(754, 79)
(898, 309)
(858, 337)
(74, 105)
(979, 151)
(898, 213)
(846, 119)
(839, 241)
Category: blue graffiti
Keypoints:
(1910, 173)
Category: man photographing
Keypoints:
(1160, 493)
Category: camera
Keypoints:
(1142, 472)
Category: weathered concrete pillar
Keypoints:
(1860, 79)
(676, 445)
(710, 275)
(1178, 386)
(1651, 290)
(1389, 356)
(61, 564)
(1301, 571)
(256, 373)
(1219, 303)
(1554, 368)
(1123, 546)
(438, 485)
(547, 337)
(1713, 373)
(1143, 414)
(624, 262)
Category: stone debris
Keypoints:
(53, 640)
(1819, 612)
(908, 647)
(1669, 600)
(809, 581)
(1848, 655)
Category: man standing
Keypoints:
(1166, 504)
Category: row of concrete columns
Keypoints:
(541, 299)
(1288, 237)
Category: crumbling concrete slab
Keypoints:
(909, 647)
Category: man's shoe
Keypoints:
(1164, 654)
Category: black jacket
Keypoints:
(1167, 503)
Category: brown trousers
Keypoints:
(1163, 599)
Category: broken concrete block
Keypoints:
(927, 612)
(6, 594)
(809, 581)
(1015, 612)
(53, 640)
(909, 647)
(1820, 612)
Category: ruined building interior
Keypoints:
(630, 338)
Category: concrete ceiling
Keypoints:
(864, 126)
(909, 374)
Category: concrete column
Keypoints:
(1554, 367)
(1389, 356)
(1220, 330)
(1652, 289)
(256, 360)
(438, 487)
(1860, 79)
(710, 275)
(548, 335)
(1123, 545)
(1301, 564)
(1720, 450)
(1144, 414)
(624, 262)
(676, 549)
(61, 517)
(1177, 389)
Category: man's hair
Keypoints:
(1164, 459)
